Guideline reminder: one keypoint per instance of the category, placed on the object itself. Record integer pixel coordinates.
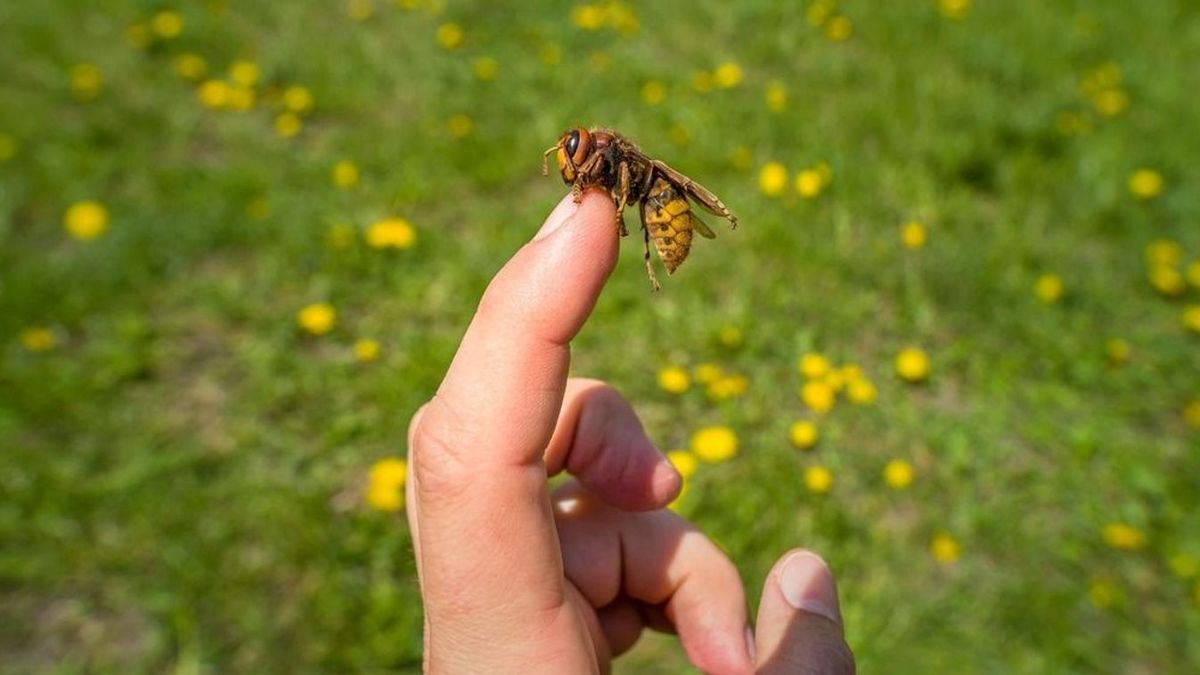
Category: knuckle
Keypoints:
(434, 452)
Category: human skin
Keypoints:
(515, 578)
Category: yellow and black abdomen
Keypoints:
(670, 221)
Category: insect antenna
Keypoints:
(545, 167)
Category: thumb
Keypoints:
(799, 622)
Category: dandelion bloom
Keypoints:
(912, 364)
(360, 10)
(1184, 565)
(450, 35)
(1145, 184)
(1191, 413)
(588, 16)
(1110, 102)
(460, 126)
(727, 75)
(1193, 269)
(1167, 280)
(1118, 351)
(1102, 592)
(167, 24)
(653, 92)
(366, 350)
(86, 81)
(898, 474)
(1165, 252)
(38, 339)
(1123, 536)
(391, 233)
(702, 81)
(86, 220)
(190, 66)
(945, 548)
(213, 94)
(683, 461)
(1191, 318)
(819, 12)
(288, 124)
(954, 9)
(839, 28)
(344, 174)
(813, 365)
(912, 235)
(241, 98)
(772, 179)
(818, 479)
(1048, 288)
(730, 337)
(727, 386)
(809, 183)
(485, 68)
(803, 434)
(318, 318)
(244, 73)
(385, 484)
(297, 99)
(776, 96)
(674, 379)
(714, 444)
(706, 373)
(861, 391)
(818, 396)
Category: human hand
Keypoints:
(514, 579)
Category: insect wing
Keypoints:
(701, 194)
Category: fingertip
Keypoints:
(666, 483)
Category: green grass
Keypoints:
(181, 480)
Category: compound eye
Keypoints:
(572, 143)
(580, 145)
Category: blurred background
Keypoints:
(953, 345)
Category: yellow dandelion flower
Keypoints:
(360, 10)
(460, 126)
(819, 12)
(1048, 288)
(684, 462)
(167, 24)
(912, 364)
(240, 98)
(898, 474)
(1167, 280)
(912, 235)
(945, 548)
(834, 379)
(288, 124)
(803, 434)
(244, 73)
(727, 75)
(298, 99)
(1193, 268)
(86, 81)
(86, 220)
(258, 208)
(726, 387)
(340, 236)
(674, 380)
(1102, 592)
(366, 350)
(318, 318)
(818, 396)
(588, 16)
(344, 174)
(385, 484)
(839, 28)
(391, 233)
(861, 391)
(741, 159)
(702, 81)
(1191, 413)
(621, 17)
(450, 35)
(814, 365)
(772, 179)
(851, 372)
(190, 66)
(1165, 252)
(1145, 184)
(653, 92)
(138, 36)
(818, 479)
(954, 9)
(8, 147)
(1123, 536)
(707, 373)
(730, 337)
(38, 339)
(776, 96)
(1118, 351)
(1191, 318)
(550, 54)
(809, 183)
(600, 61)
(1184, 565)
(213, 94)
(1110, 102)
(485, 68)
(714, 444)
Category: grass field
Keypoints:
(185, 482)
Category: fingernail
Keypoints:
(751, 649)
(561, 214)
(807, 585)
(666, 480)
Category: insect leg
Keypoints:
(622, 196)
(654, 285)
